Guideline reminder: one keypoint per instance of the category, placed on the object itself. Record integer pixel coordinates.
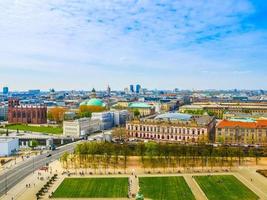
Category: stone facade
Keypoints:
(237, 132)
(172, 131)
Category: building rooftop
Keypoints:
(242, 124)
(174, 116)
(6, 139)
(139, 105)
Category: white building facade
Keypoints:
(80, 127)
(9, 146)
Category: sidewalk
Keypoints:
(196, 190)
(21, 192)
(254, 181)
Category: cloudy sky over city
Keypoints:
(80, 44)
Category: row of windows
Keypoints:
(226, 130)
(162, 137)
(23, 114)
(244, 140)
(237, 134)
(166, 129)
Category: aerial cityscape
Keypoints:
(162, 100)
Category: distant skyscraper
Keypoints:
(138, 87)
(5, 90)
(131, 88)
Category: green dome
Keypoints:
(93, 102)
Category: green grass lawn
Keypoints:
(165, 188)
(92, 188)
(40, 129)
(224, 187)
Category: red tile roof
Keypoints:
(233, 124)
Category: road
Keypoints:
(18, 173)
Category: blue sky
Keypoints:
(80, 44)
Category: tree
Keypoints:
(119, 132)
(33, 143)
(64, 159)
(84, 111)
(56, 114)
(90, 109)
(136, 113)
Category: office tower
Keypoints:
(131, 88)
(138, 87)
(5, 90)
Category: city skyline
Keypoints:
(172, 44)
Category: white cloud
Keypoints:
(140, 40)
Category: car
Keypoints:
(49, 155)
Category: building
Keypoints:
(34, 92)
(169, 106)
(138, 88)
(120, 117)
(30, 114)
(8, 146)
(93, 93)
(108, 90)
(173, 127)
(220, 108)
(131, 88)
(246, 131)
(3, 112)
(106, 119)
(143, 108)
(80, 127)
(5, 90)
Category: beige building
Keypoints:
(242, 132)
(174, 127)
(144, 109)
(80, 127)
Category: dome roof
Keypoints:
(174, 116)
(93, 102)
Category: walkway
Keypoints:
(256, 182)
(197, 192)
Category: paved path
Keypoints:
(134, 186)
(197, 192)
(257, 179)
(256, 182)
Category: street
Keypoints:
(18, 173)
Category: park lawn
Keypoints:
(224, 187)
(40, 129)
(92, 188)
(174, 188)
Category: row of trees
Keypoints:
(96, 155)
(57, 114)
